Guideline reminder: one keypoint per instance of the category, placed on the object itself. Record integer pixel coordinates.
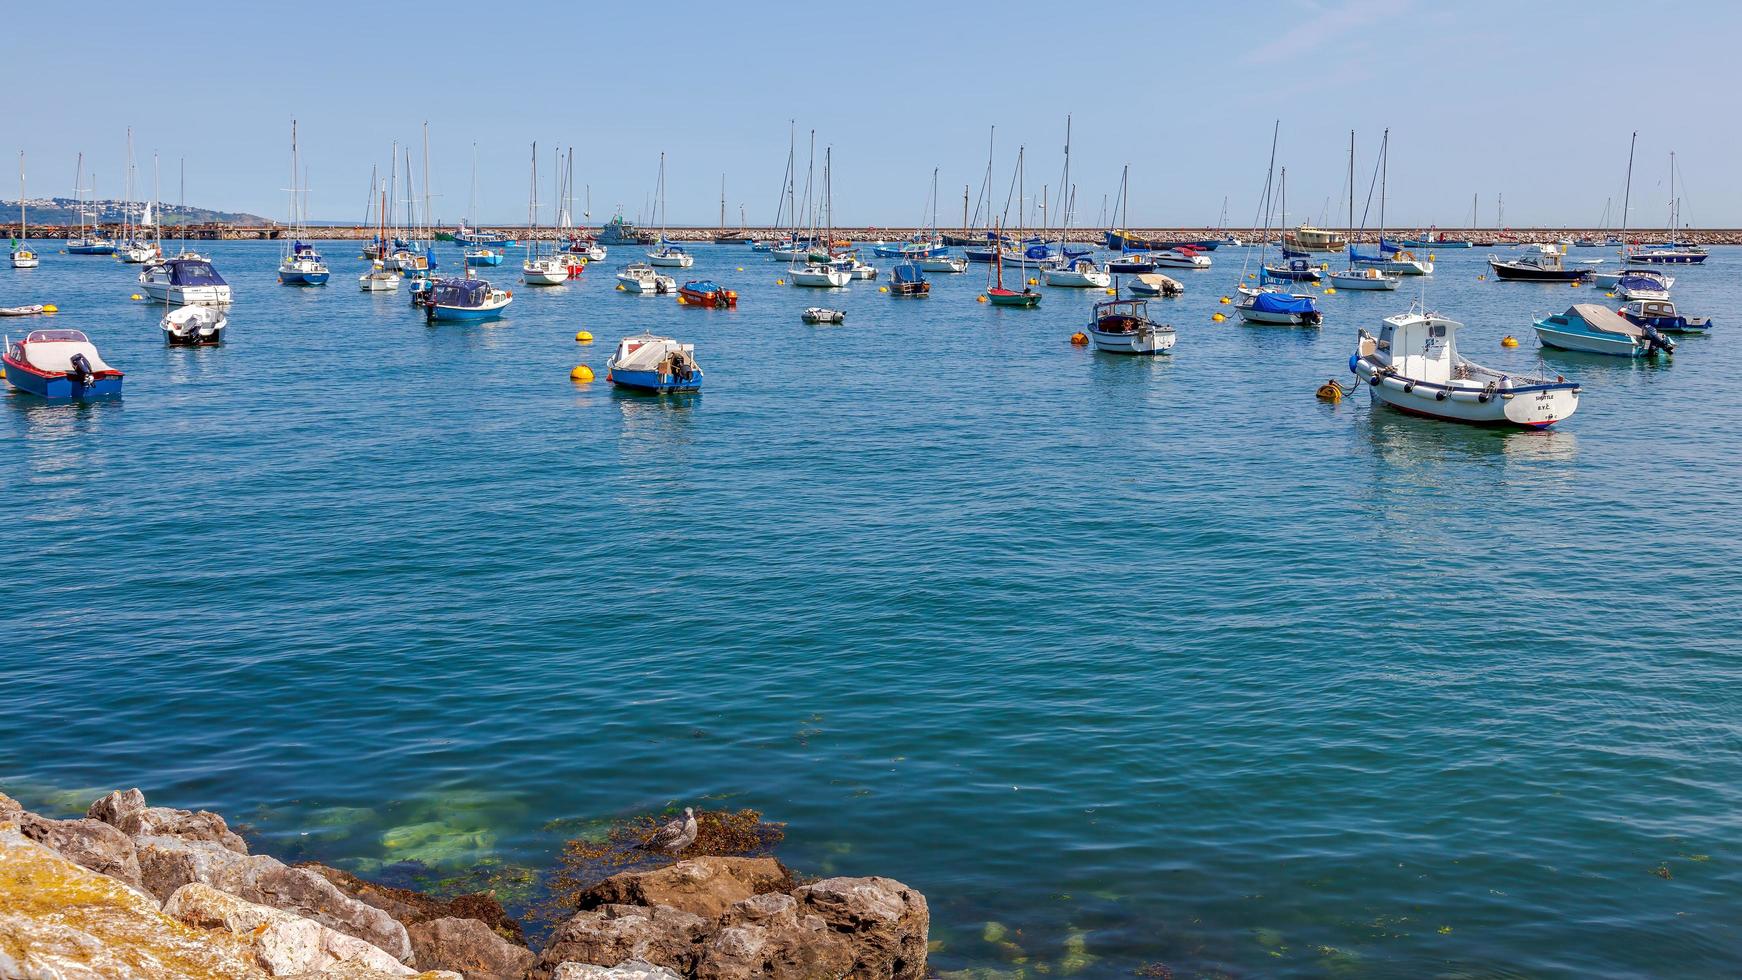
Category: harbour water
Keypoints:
(1123, 663)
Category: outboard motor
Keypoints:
(1655, 341)
(82, 370)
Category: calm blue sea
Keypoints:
(1121, 662)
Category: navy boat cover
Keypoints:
(194, 272)
(460, 292)
(1282, 303)
(908, 273)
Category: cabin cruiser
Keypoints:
(1184, 257)
(194, 326)
(820, 274)
(1080, 273)
(1310, 239)
(655, 364)
(187, 278)
(1661, 315)
(1594, 329)
(1413, 365)
(465, 300)
(1642, 284)
(639, 277)
(1123, 326)
(1538, 263)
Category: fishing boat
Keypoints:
(1275, 307)
(1309, 239)
(1594, 329)
(819, 314)
(708, 293)
(300, 264)
(639, 277)
(185, 279)
(22, 255)
(1155, 284)
(1363, 279)
(1184, 257)
(916, 247)
(1642, 284)
(1537, 263)
(475, 236)
(1123, 326)
(1077, 273)
(656, 364)
(1661, 316)
(465, 300)
(618, 231)
(1413, 365)
(194, 326)
(996, 294)
(907, 279)
(59, 365)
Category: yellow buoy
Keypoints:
(1330, 290)
(1509, 341)
(1080, 339)
(620, 287)
(581, 373)
(780, 282)
(740, 268)
(1112, 292)
(1330, 391)
(883, 289)
(1225, 300)
(583, 337)
(1252, 275)
(1218, 317)
(50, 308)
(1574, 284)
(1034, 282)
(681, 301)
(1482, 278)
(1610, 295)
(980, 299)
(136, 296)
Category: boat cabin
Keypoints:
(1423, 348)
(460, 292)
(1122, 315)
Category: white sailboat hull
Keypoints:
(1356, 280)
(821, 278)
(1072, 278)
(1138, 342)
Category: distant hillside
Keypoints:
(65, 211)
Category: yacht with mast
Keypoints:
(1671, 252)
(89, 240)
(1067, 270)
(1391, 259)
(22, 255)
(1365, 278)
(665, 253)
(821, 271)
(300, 264)
(539, 269)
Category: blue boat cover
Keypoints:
(193, 272)
(460, 292)
(1282, 303)
(702, 286)
(908, 272)
(1387, 248)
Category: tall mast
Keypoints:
(1349, 233)
(1627, 194)
(722, 202)
(428, 221)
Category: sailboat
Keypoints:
(1365, 278)
(1672, 252)
(1267, 304)
(131, 249)
(667, 254)
(988, 247)
(941, 261)
(573, 257)
(1078, 271)
(822, 271)
(22, 256)
(89, 240)
(380, 278)
(483, 248)
(1608, 280)
(300, 265)
(1293, 267)
(539, 269)
(1028, 297)
(1391, 259)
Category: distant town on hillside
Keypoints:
(65, 211)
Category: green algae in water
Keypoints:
(994, 932)
(439, 845)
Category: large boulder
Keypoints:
(110, 809)
(469, 948)
(9, 807)
(89, 843)
(885, 921)
(169, 863)
(631, 970)
(704, 886)
(125, 810)
(282, 943)
(61, 920)
(765, 937)
(412, 907)
(659, 935)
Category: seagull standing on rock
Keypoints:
(676, 835)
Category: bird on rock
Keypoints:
(676, 835)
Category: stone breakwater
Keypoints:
(150, 892)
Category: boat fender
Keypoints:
(1408, 386)
(1353, 360)
(1440, 396)
(1375, 379)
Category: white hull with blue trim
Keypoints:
(1413, 365)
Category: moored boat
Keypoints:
(187, 278)
(1077, 273)
(1661, 315)
(1123, 326)
(465, 300)
(943, 263)
(23, 257)
(639, 277)
(1293, 270)
(1155, 284)
(59, 365)
(1641, 284)
(1538, 263)
(303, 266)
(1273, 307)
(1309, 239)
(1184, 257)
(194, 326)
(1593, 329)
(820, 314)
(1413, 365)
(483, 255)
(671, 256)
(379, 279)
(655, 364)
(708, 293)
(1363, 279)
(907, 279)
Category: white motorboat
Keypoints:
(194, 326)
(639, 277)
(379, 279)
(183, 280)
(820, 275)
(654, 364)
(1413, 365)
(1593, 329)
(1078, 273)
(1123, 326)
(1642, 284)
(1154, 284)
(1367, 278)
(671, 257)
(942, 263)
(1187, 257)
(862, 270)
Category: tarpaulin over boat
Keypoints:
(1603, 319)
(1387, 248)
(908, 273)
(460, 292)
(1282, 303)
(194, 272)
(702, 286)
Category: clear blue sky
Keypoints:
(1530, 100)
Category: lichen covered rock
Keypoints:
(659, 935)
(467, 947)
(704, 886)
(283, 944)
(886, 922)
(89, 843)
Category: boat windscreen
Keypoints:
(189, 272)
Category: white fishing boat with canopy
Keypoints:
(1413, 365)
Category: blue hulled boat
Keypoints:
(59, 365)
(303, 266)
(654, 364)
(90, 245)
(1661, 315)
(472, 236)
(1594, 329)
(464, 300)
(1295, 270)
(483, 255)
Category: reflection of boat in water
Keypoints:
(1413, 365)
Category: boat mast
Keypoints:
(1384, 176)
(722, 204)
(428, 219)
(1627, 195)
(23, 212)
(1065, 188)
(1349, 233)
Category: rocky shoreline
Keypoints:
(149, 892)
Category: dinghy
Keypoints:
(818, 314)
(194, 326)
(1413, 365)
(31, 310)
(1594, 329)
(1155, 284)
(655, 364)
(59, 364)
